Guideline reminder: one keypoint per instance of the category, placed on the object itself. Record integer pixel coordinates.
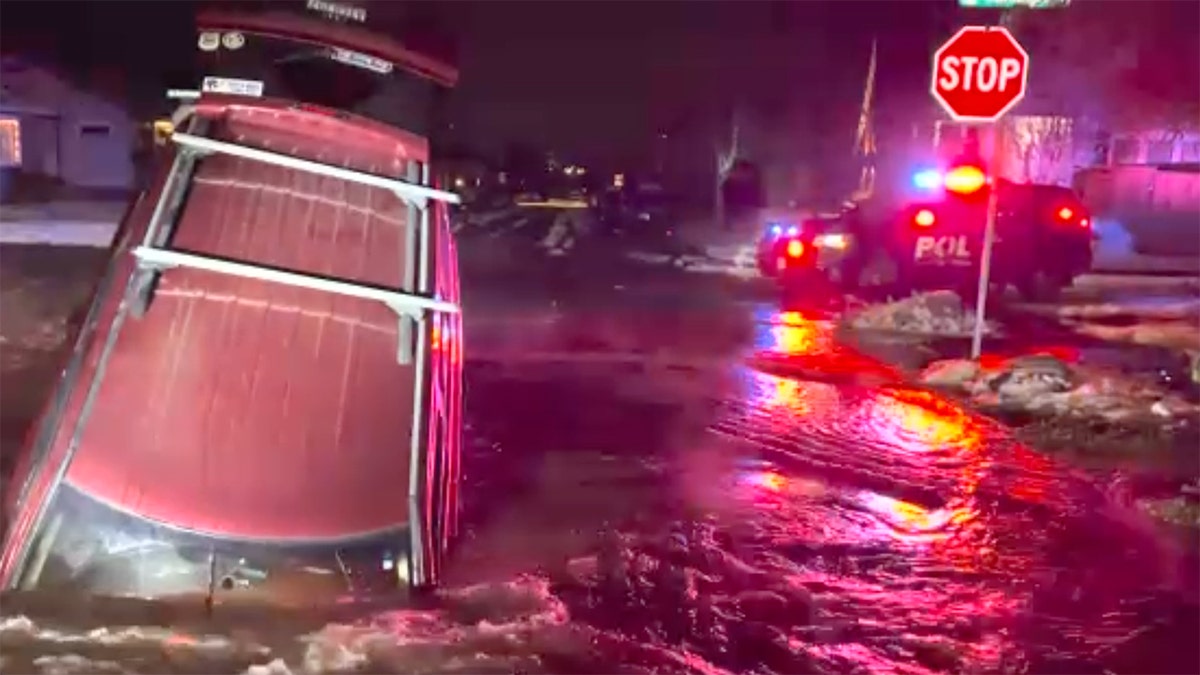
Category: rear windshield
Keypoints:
(330, 77)
(85, 546)
(1037, 195)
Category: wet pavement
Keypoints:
(668, 474)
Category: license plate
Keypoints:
(229, 85)
(949, 249)
(358, 60)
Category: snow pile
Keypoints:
(1183, 510)
(486, 219)
(1171, 321)
(1183, 335)
(569, 225)
(1042, 384)
(739, 268)
(1162, 308)
(940, 313)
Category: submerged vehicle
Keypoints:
(264, 400)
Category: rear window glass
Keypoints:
(330, 77)
(1036, 195)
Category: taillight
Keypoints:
(924, 218)
(795, 248)
(1069, 215)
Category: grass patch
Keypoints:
(1099, 437)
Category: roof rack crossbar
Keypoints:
(410, 192)
(404, 303)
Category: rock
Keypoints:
(954, 373)
(1027, 376)
(1044, 363)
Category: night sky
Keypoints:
(595, 79)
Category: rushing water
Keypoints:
(641, 500)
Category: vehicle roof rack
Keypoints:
(410, 302)
(409, 192)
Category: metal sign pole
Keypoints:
(989, 236)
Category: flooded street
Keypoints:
(666, 476)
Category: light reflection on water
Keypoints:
(867, 528)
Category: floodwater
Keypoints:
(708, 488)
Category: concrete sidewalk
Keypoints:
(65, 223)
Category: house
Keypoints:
(52, 131)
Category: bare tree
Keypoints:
(1113, 65)
(726, 151)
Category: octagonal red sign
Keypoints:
(979, 74)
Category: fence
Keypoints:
(1158, 207)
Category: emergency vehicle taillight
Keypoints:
(1071, 216)
(924, 218)
(795, 248)
(965, 180)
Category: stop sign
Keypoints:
(979, 74)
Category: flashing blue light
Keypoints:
(776, 230)
(929, 179)
(793, 231)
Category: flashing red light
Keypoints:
(924, 218)
(965, 180)
(1066, 215)
(795, 248)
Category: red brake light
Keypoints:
(795, 248)
(924, 218)
(965, 180)
(1072, 215)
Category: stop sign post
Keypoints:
(980, 74)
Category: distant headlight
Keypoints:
(834, 241)
(780, 229)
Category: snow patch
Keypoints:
(940, 313)
(1043, 384)
(1144, 307)
(59, 233)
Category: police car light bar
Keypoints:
(929, 179)
(965, 180)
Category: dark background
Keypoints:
(604, 81)
(588, 78)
